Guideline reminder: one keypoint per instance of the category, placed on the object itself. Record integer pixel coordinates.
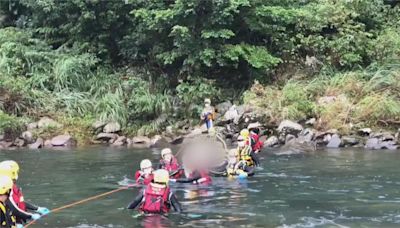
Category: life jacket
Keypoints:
(140, 179)
(170, 166)
(6, 217)
(18, 198)
(204, 178)
(156, 199)
(244, 155)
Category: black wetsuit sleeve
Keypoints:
(18, 213)
(255, 158)
(31, 207)
(138, 199)
(175, 203)
(195, 177)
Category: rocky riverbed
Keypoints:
(295, 136)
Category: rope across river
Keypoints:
(81, 201)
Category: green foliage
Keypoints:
(10, 125)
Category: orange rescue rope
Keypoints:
(80, 202)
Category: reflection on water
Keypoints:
(332, 188)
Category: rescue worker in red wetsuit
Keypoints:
(170, 163)
(156, 198)
(17, 204)
(254, 131)
(145, 174)
(194, 173)
(7, 219)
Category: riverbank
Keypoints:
(305, 135)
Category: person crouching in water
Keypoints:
(145, 174)
(237, 167)
(194, 173)
(17, 204)
(7, 219)
(245, 153)
(156, 198)
(256, 143)
(170, 163)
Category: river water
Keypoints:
(331, 188)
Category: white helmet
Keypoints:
(146, 163)
(165, 151)
(207, 101)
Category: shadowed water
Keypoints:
(345, 188)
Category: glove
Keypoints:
(242, 175)
(36, 216)
(20, 226)
(43, 210)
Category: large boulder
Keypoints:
(62, 140)
(106, 136)
(120, 141)
(27, 136)
(271, 141)
(112, 127)
(232, 114)
(98, 124)
(45, 122)
(289, 127)
(365, 131)
(373, 143)
(32, 126)
(334, 142)
(19, 142)
(223, 107)
(350, 141)
(36, 145)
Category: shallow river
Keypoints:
(332, 188)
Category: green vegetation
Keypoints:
(148, 64)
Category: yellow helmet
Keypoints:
(12, 166)
(161, 176)
(6, 184)
(245, 133)
(146, 163)
(165, 151)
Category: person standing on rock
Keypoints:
(208, 114)
(16, 200)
